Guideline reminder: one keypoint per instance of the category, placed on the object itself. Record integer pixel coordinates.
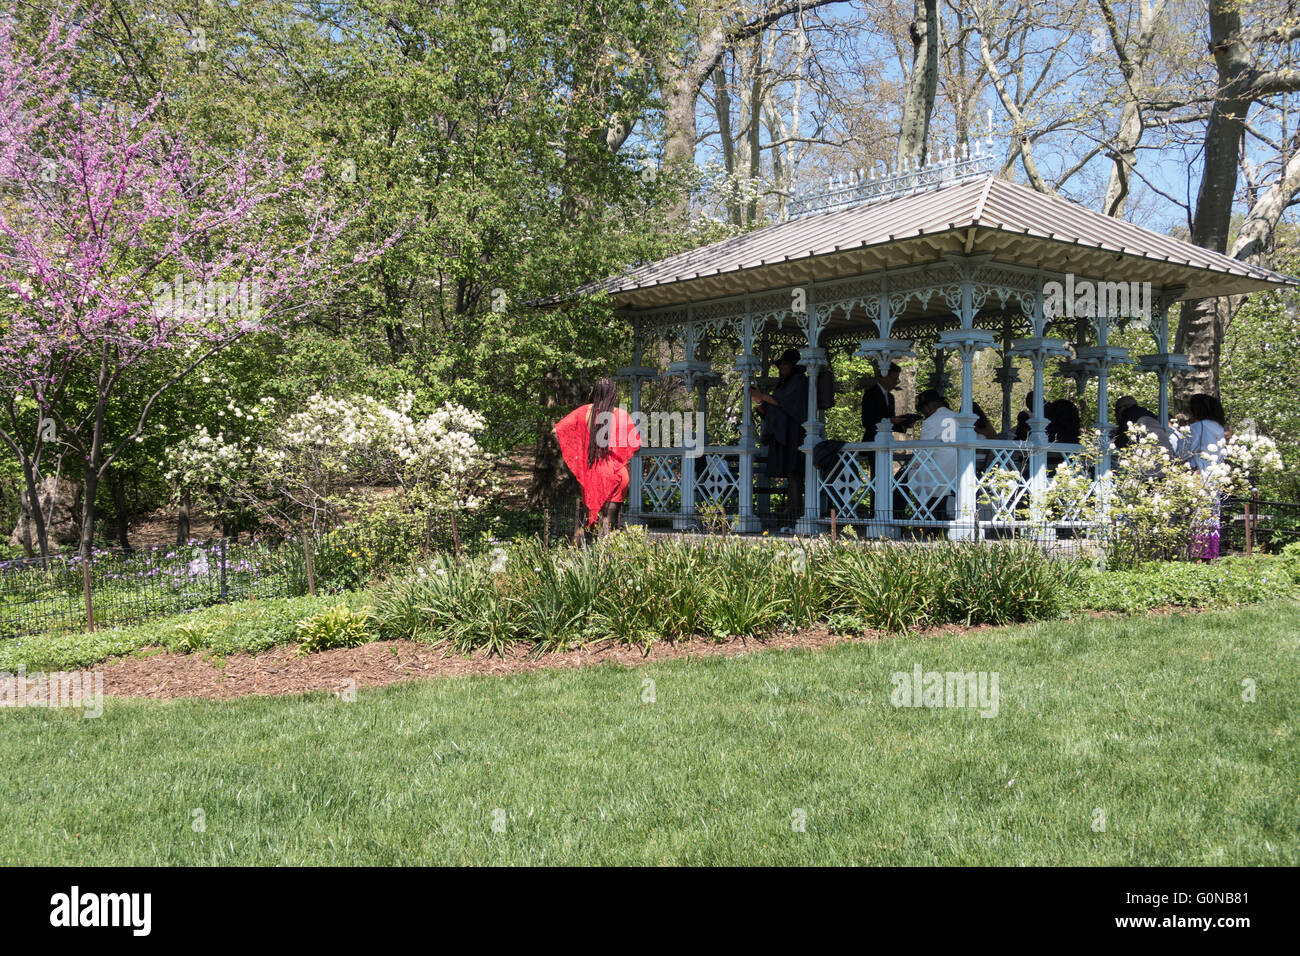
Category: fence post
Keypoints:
(309, 563)
(85, 586)
(224, 589)
(1246, 522)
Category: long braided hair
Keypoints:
(603, 396)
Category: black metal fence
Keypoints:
(114, 588)
(1259, 525)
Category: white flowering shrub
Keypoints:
(1247, 457)
(299, 466)
(1153, 504)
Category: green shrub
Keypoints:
(1228, 582)
(337, 626)
(1001, 584)
(883, 587)
(248, 627)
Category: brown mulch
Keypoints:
(164, 675)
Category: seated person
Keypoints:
(1022, 419)
(878, 404)
(1063, 425)
(934, 484)
(983, 427)
(1128, 412)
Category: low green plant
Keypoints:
(335, 627)
(1229, 582)
(247, 627)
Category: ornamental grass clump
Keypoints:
(1001, 584)
(885, 588)
(637, 591)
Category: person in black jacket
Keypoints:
(878, 404)
(784, 412)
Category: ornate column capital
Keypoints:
(1039, 348)
(690, 371)
(882, 352)
(966, 342)
(636, 373)
(1164, 364)
(1097, 357)
(812, 358)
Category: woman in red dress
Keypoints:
(597, 441)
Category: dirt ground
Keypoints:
(164, 675)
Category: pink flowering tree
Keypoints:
(125, 248)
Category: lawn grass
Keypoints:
(1142, 718)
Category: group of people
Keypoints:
(598, 439)
(1064, 426)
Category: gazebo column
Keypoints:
(1038, 349)
(747, 364)
(966, 343)
(1163, 362)
(703, 382)
(882, 351)
(812, 359)
(1006, 376)
(689, 371)
(634, 375)
(1098, 359)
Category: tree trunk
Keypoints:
(550, 474)
(38, 514)
(918, 106)
(183, 518)
(1201, 322)
(755, 127)
(88, 514)
(121, 514)
(722, 104)
(679, 118)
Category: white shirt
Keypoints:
(1196, 446)
(940, 477)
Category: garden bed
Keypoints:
(160, 674)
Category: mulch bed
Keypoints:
(164, 675)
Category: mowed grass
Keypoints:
(1141, 719)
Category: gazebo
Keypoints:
(946, 259)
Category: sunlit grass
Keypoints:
(1142, 719)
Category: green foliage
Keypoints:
(1229, 582)
(336, 626)
(634, 591)
(629, 589)
(247, 627)
(1259, 376)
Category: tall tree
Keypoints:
(121, 242)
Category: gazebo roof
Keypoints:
(991, 216)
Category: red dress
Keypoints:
(607, 479)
